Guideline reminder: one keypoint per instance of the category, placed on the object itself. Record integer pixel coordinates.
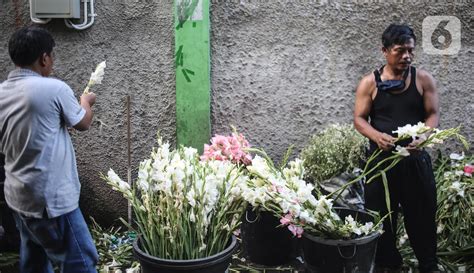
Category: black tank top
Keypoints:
(392, 110)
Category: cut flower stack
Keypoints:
(188, 206)
(184, 208)
(288, 196)
(299, 206)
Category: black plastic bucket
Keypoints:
(263, 242)
(218, 263)
(336, 256)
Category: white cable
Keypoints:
(85, 24)
(69, 23)
(37, 20)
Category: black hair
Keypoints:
(27, 44)
(397, 35)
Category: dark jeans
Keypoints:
(64, 240)
(412, 187)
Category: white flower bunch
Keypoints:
(285, 194)
(96, 76)
(412, 130)
(428, 137)
(184, 208)
(123, 186)
(425, 136)
(357, 228)
(458, 180)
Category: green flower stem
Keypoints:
(395, 158)
(86, 91)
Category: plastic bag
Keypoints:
(353, 196)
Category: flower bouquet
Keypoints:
(96, 77)
(231, 148)
(263, 242)
(285, 193)
(309, 214)
(425, 136)
(185, 209)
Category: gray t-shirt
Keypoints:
(40, 164)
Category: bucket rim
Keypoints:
(170, 263)
(343, 242)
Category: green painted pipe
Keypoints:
(193, 85)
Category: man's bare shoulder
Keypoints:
(424, 76)
(367, 83)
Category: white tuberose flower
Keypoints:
(402, 151)
(113, 177)
(411, 130)
(96, 76)
(455, 156)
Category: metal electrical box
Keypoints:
(56, 8)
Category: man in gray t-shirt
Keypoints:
(42, 184)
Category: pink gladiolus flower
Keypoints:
(230, 148)
(286, 220)
(468, 169)
(247, 159)
(296, 230)
(221, 142)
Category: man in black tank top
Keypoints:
(391, 97)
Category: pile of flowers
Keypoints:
(302, 208)
(184, 208)
(455, 213)
(187, 206)
(114, 247)
(284, 193)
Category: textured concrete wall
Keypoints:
(281, 71)
(137, 40)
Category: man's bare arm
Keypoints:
(87, 100)
(430, 103)
(430, 99)
(363, 104)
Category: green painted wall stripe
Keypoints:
(193, 85)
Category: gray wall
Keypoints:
(281, 71)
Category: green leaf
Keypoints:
(387, 195)
(286, 157)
